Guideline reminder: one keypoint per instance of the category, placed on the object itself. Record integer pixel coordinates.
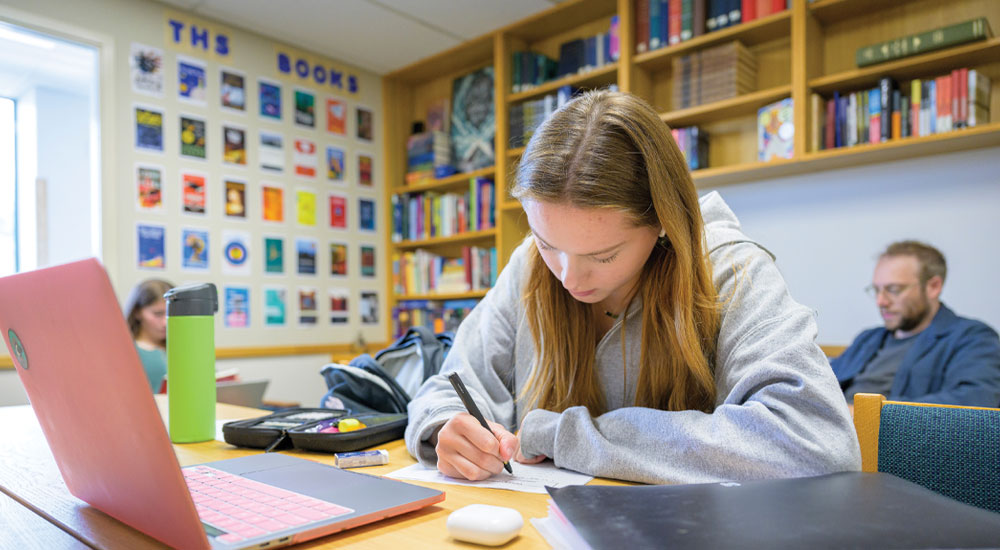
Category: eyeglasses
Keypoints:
(892, 290)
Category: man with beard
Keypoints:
(925, 352)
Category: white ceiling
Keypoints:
(376, 35)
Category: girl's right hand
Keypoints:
(466, 450)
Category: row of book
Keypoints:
(713, 74)
(527, 116)
(919, 107)
(923, 42)
(661, 23)
(531, 69)
(423, 272)
(693, 143)
(428, 155)
(433, 214)
(437, 315)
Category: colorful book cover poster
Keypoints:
(369, 307)
(269, 96)
(237, 306)
(338, 211)
(305, 207)
(148, 129)
(335, 163)
(146, 67)
(193, 193)
(272, 151)
(273, 197)
(365, 123)
(308, 306)
(274, 255)
(366, 214)
(304, 158)
(336, 116)
(232, 90)
(194, 255)
(339, 312)
(472, 120)
(234, 145)
(775, 131)
(236, 198)
(305, 108)
(235, 252)
(367, 261)
(305, 253)
(338, 259)
(192, 137)
(151, 240)
(149, 188)
(275, 306)
(191, 81)
(365, 164)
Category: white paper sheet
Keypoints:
(527, 478)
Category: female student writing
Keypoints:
(637, 333)
(146, 314)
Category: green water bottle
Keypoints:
(191, 361)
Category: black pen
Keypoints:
(456, 381)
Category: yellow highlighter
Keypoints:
(350, 425)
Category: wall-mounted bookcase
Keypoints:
(805, 50)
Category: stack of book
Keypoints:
(423, 272)
(713, 74)
(419, 157)
(693, 143)
(432, 214)
(527, 116)
(661, 23)
(437, 315)
(919, 107)
(923, 42)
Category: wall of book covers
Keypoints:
(252, 165)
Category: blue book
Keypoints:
(838, 117)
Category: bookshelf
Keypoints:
(807, 49)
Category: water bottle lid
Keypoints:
(193, 299)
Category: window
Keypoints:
(8, 196)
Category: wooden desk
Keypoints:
(29, 473)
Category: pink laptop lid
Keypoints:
(66, 334)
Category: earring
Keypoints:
(662, 239)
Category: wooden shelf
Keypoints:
(515, 153)
(727, 108)
(478, 51)
(846, 157)
(442, 295)
(563, 17)
(451, 182)
(510, 205)
(918, 66)
(461, 238)
(755, 32)
(606, 74)
(834, 11)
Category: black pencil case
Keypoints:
(271, 432)
(304, 429)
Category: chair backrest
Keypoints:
(949, 449)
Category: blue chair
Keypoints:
(949, 449)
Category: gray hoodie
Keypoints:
(779, 410)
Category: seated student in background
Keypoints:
(637, 333)
(924, 352)
(146, 314)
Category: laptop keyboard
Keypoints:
(244, 508)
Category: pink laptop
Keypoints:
(75, 357)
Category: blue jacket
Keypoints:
(954, 361)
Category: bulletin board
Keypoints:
(253, 165)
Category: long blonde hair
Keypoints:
(611, 150)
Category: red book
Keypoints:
(764, 8)
(674, 22)
(749, 10)
(777, 6)
(642, 25)
(829, 139)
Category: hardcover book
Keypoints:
(775, 130)
(927, 41)
(473, 121)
